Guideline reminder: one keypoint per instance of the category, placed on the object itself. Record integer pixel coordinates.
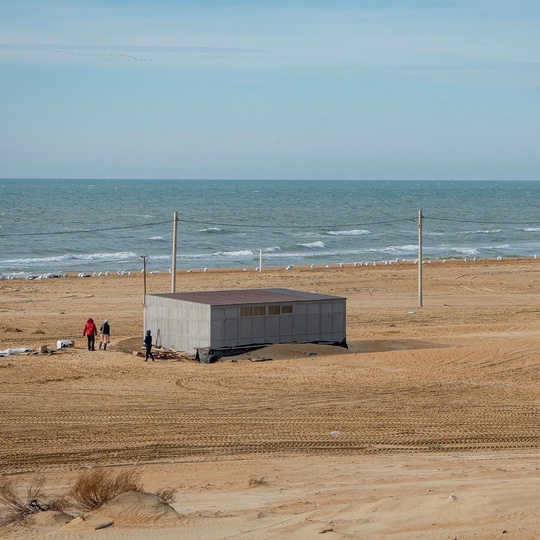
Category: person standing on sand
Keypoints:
(105, 334)
(148, 346)
(90, 331)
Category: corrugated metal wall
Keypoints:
(185, 326)
(176, 324)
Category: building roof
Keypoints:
(248, 296)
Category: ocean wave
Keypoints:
(481, 231)
(69, 257)
(273, 250)
(312, 245)
(466, 251)
(156, 238)
(502, 246)
(531, 229)
(394, 250)
(211, 230)
(354, 232)
(237, 253)
(191, 256)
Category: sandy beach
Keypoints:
(426, 427)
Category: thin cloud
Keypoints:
(41, 52)
(131, 48)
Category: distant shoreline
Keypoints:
(372, 265)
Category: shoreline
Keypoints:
(274, 268)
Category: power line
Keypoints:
(483, 222)
(86, 230)
(215, 224)
(255, 226)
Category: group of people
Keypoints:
(90, 331)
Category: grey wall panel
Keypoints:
(300, 324)
(272, 326)
(286, 325)
(218, 314)
(231, 331)
(327, 322)
(313, 324)
(326, 307)
(259, 329)
(338, 323)
(179, 325)
(245, 327)
(217, 331)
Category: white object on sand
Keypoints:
(20, 350)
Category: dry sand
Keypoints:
(427, 427)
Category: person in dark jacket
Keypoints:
(148, 346)
(90, 331)
(105, 336)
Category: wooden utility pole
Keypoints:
(420, 258)
(144, 257)
(173, 266)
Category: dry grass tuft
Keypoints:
(16, 509)
(91, 490)
(94, 488)
(166, 495)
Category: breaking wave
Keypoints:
(354, 232)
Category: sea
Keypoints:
(51, 227)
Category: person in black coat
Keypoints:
(148, 346)
(105, 334)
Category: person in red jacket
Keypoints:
(90, 331)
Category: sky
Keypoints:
(274, 89)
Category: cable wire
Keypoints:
(483, 222)
(86, 230)
(295, 226)
(253, 226)
(206, 223)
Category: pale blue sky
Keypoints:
(365, 89)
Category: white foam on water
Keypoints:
(354, 232)
(318, 244)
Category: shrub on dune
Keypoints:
(90, 490)
(14, 508)
(94, 488)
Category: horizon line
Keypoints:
(2, 179)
